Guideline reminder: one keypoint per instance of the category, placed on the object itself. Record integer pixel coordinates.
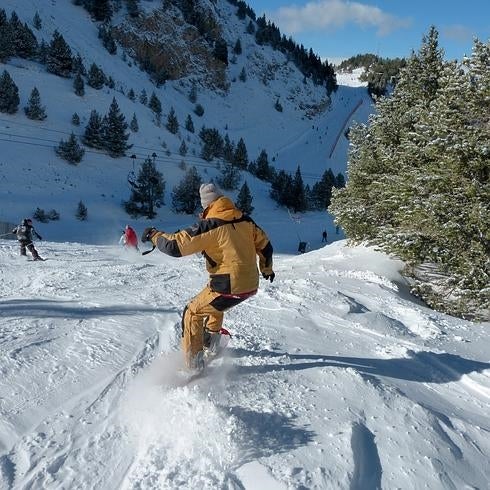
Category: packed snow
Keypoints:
(335, 377)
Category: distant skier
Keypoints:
(324, 236)
(24, 234)
(129, 238)
(230, 241)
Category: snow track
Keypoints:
(333, 379)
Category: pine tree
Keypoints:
(36, 21)
(9, 94)
(321, 193)
(414, 185)
(93, 135)
(75, 119)
(183, 149)
(6, 37)
(114, 132)
(25, 44)
(185, 196)
(82, 212)
(299, 202)
(70, 150)
(263, 169)
(133, 125)
(101, 10)
(240, 157)
(78, 66)
(79, 85)
(244, 200)
(59, 57)
(237, 49)
(230, 177)
(147, 192)
(189, 124)
(131, 95)
(228, 149)
(143, 97)
(156, 106)
(96, 77)
(34, 109)
(172, 122)
(243, 75)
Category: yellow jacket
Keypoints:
(230, 241)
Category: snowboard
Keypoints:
(186, 377)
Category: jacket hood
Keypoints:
(223, 208)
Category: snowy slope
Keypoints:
(334, 379)
(31, 175)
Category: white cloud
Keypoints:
(331, 14)
(457, 33)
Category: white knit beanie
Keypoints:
(209, 193)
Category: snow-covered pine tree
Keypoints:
(70, 150)
(114, 132)
(9, 94)
(244, 199)
(75, 119)
(414, 178)
(93, 135)
(185, 195)
(59, 56)
(34, 109)
(172, 122)
(143, 97)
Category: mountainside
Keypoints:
(309, 131)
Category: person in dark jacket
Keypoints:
(24, 234)
(231, 242)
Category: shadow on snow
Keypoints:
(423, 366)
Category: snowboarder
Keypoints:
(230, 242)
(24, 234)
(129, 238)
(324, 236)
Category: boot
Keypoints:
(196, 363)
(211, 343)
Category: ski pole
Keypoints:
(148, 251)
(6, 234)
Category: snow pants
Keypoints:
(205, 312)
(29, 246)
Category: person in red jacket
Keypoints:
(129, 239)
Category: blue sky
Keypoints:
(390, 28)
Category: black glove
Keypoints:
(147, 234)
(269, 276)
